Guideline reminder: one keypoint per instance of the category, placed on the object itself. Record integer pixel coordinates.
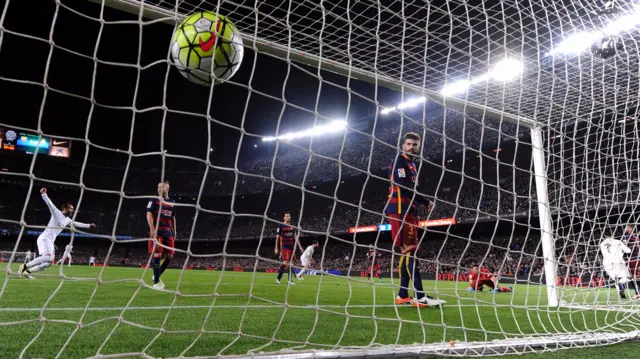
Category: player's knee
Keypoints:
(48, 258)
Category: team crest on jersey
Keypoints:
(401, 173)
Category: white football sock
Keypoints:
(301, 272)
(39, 260)
(69, 262)
(39, 267)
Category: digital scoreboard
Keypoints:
(18, 141)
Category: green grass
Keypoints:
(81, 318)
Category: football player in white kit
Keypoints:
(66, 255)
(59, 220)
(92, 261)
(306, 258)
(613, 262)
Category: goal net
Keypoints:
(528, 152)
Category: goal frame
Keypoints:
(155, 13)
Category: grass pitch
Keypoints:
(223, 313)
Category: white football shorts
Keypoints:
(305, 261)
(45, 246)
(617, 270)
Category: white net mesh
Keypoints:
(100, 78)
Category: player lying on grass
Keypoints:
(160, 212)
(59, 220)
(374, 267)
(403, 176)
(481, 277)
(614, 265)
(285, 243)
(306, 259)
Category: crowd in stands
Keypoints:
(506, 256)
(268, 182)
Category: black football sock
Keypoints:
(155, 263)
(164, 263)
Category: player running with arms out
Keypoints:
(478, 278)
(307, 258)
(161, 213)
(613, 262)
(374, 267)
(59, 220)
(66, 255)
(402, 198)
(285, 243)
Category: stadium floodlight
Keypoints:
(331, 127)
(456, 88)
(407, 104)
(623, 23)
(576, 43)
(507, 70)
(582, 41)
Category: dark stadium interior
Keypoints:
(131, 127)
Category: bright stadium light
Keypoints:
(576, 43)
(333, 126)
(582, 41)
(407, 104)
(456, 88)
(507, 70)
(623, 23)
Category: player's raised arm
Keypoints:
(52, 207)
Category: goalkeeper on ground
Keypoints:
(480, 278)
(613, 262)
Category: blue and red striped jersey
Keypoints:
(163, 213)
(632, 242)
(402, 176)
(287, 236)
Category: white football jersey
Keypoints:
(57, 222)
(308, 253)
(68, 248)
(613, 250)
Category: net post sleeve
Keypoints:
(544, 211)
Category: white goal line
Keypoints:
(612, 308)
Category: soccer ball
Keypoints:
(207, 47)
